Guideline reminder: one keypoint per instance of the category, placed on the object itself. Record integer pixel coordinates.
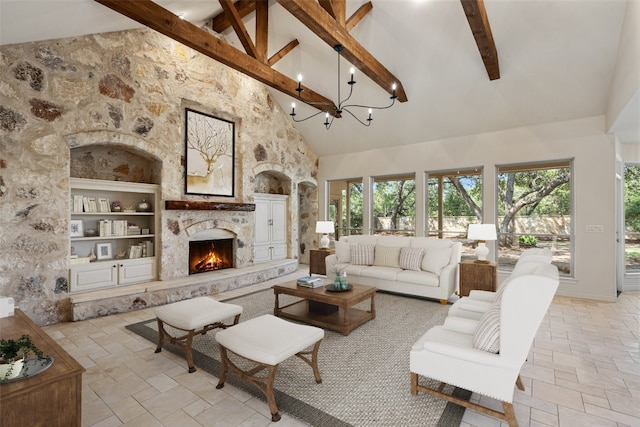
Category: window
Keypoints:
(632, 218)
(454, 200)
(394, 205)
(345, 206)
(535, 209)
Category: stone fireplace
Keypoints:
(210, 250)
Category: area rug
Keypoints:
(365, 376)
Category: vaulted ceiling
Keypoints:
(556, 58)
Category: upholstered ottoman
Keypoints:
(266, 341)
(193, 316)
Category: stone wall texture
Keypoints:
(126, 90)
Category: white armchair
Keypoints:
(456, 353)
(478, 302)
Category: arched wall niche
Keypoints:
(271, 178)
(113, 157)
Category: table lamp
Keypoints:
(482, 233)
(324, 228)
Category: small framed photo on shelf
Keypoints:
(103, 251)
(75, 228)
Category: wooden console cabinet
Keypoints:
(481, 276)
(316, 260)
(52, 397)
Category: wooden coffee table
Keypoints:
(330, 310)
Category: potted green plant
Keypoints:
(14, 353)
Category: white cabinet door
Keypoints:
(279, 221)
(262, 225)
(97, 275)
(136, 270)
(270, 227)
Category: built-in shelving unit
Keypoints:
(124, 242)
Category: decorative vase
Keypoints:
(144, 206)
(11, 370)
(92, 255)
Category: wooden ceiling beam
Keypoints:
(314, 17)
(163, 21)
(358, 15)
(240, 29)
(282, 52)
(479, 23)
(220, 22)
(336, 8)
(262, 30)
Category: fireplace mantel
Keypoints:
(188, 205)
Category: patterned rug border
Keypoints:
(451, 415)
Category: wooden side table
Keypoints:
(316, 260)
(50, 398)
(481, 276)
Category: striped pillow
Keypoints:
(387, 256)
(411, 258)
(487, 334)
(362, 254)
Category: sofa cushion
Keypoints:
(387, 256)
(418, 278)
(382, 273)
(487, 334)
(435, 259)
(362, 254)
(411, 258)
(343, 252)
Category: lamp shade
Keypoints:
(324, 227)
(482, 232)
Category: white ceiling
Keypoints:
(557, 61)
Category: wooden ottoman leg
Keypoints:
(313, 362)
(188, 352)
(160, 335)
(225, 366)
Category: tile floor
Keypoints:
(584, 371)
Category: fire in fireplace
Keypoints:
(210, 255)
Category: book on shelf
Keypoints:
(310, 282)
(103, 205)
(77, 203)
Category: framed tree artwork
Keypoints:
(210, 155)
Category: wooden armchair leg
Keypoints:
(414, 384)
(509, 414)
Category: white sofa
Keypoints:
(418, 266)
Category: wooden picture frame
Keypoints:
(76, 228)
(209, 154)
(103, 251)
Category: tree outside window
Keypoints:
(535, 210)
(454, 200)
(394, 205)
(345, 206)
(632, 218)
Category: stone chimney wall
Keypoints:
(128, 89)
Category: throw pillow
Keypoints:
(435, 259)
(411, 258)
(487, 334)
(387, 256)
(362, 254)
(343, 253)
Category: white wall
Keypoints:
(583, 140)
(623, 113)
